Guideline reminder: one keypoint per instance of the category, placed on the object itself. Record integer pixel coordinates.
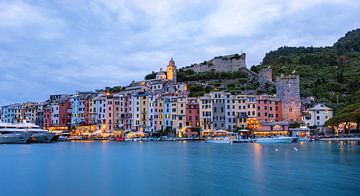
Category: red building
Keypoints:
(192, 113)
(64, 112)
(87, 113)
(268, 108)
(47, 117)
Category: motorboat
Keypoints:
(12, 134)
(37, 134)
(218, 140)
(278, 139)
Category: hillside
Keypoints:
(331, 74)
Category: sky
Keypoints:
(53, 47)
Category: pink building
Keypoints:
(268, 108)
(109, 112)
(127, 112)
(192, 113)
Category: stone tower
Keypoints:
(171, 70)
(288, 91)
(265, 76)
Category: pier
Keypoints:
(341, 139)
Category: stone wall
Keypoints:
(288, 91)
(265, 77)
(227, 63)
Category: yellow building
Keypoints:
(143, 113)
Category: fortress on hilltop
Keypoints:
(228, 63)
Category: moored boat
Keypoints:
(11, 134)
(38, 135)
(279, 139)
(219, 140)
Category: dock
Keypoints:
(341, 139)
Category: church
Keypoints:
(170, 74)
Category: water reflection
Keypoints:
(257, 149)
(179, 168)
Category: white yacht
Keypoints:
(12, 134)
(278, 139)
(23, 133)
(38, 135)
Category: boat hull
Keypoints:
(45, 137)
(218, 141)
(276, 140)
(14, 138)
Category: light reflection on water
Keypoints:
(179, 168)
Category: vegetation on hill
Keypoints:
(201, 83)
(331, 74)
(150, 76)
(350, 113)
(116, 89)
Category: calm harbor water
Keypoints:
(175, 168)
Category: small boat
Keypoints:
(12, 134)
(219, 140)
(279, 139)
(62, 138)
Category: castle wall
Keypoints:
(221, 64)
(265, 76)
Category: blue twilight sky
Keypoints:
(49, 47)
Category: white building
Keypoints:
(55, 114)
(205, 111)
(98, 109)
(318, 115)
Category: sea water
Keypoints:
(180, 168)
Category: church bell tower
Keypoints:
(171, 70)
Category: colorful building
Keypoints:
(192, 113)
(268, 108)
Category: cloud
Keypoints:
(18, 18)
(61, 46)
